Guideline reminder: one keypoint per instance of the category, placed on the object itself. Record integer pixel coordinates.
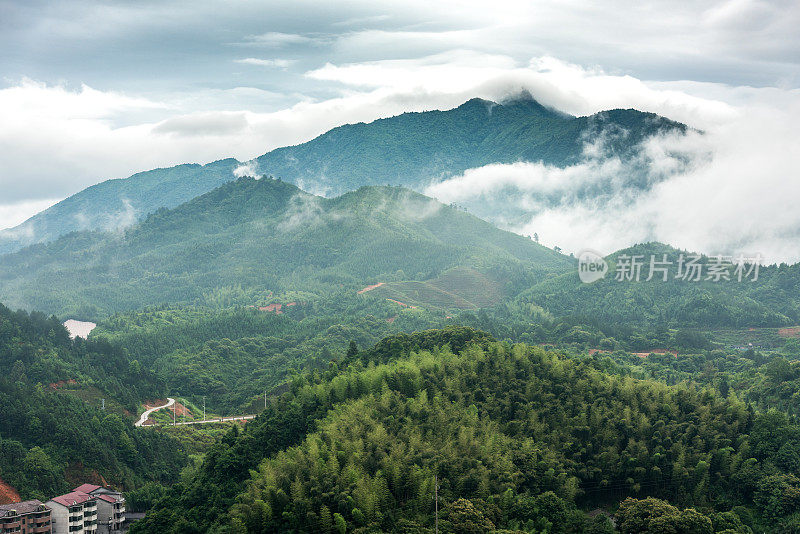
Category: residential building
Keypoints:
(73, 513)
(27, 517)
(110, 508)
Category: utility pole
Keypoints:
(173, 414)
(204, 407)
(436, 492)
(265, 399)
(184, 412)
(103, 404)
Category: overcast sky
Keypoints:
(98, 90)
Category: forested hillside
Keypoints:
(520, 439)
(51, 439)
(252, 238)
(417, 149)
(773, 299)
(116, 204)
(412, 150)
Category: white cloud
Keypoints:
(741, 199)
(249, 168)
(278, 39)
(14, 214)
(272, 63)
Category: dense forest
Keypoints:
(519, 438)
(252, 238)
(50, 439)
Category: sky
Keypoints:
(97, 90)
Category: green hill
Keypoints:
(53, 433)
(411, 150)
(519, 438)
(251, 238)
(771, 300)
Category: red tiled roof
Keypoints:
(107, 498)
(74, 497)
(87, 488)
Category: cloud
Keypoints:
(14, 214)
(304, 211)
(211, 123)
(249, 168)
(272, 63)
(736, 196)
(277, 39)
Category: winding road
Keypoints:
(146, 414)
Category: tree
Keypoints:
(464, 518)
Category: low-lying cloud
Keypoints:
(736, 194)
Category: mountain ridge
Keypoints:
(409, 149)
(258, 236)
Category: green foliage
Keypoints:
(518, 437)
(772, 300)
(43, 433)
(256, 236)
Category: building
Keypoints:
(27, 517)
(73, 513)
(110, 508)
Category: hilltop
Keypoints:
(253, 237)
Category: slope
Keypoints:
(773, 299)
(115, 204)
(411, 149)
(258, 236)
(46, 436)
(517, 436)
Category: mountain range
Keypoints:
(413, 150)
(256, 237)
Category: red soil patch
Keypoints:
(390, 320)
(153, 404)
(403, 304)
(793, 331)
(370, 288)
(180, 410)
(600, 351)
(62, 383)
(8, 494)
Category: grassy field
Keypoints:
(460, 288)
(760, 338)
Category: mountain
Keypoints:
(417, 149)
(412, 150)
(519, 440)
(116, 204)
(254, 238)
(773, 299)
